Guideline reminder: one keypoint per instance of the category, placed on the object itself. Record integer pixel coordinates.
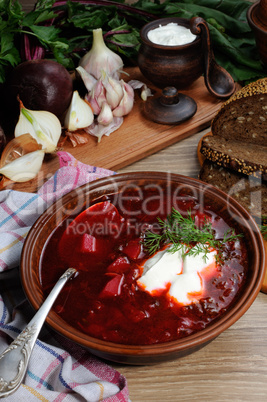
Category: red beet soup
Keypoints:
(105, 243)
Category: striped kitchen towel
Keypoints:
(58, 369)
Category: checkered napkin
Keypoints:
(58, 369)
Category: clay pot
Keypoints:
(166, 66)
(179, 66)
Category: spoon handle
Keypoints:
(14, 360)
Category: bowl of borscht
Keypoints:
(165, 264)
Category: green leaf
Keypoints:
(45, 34)
(9, 55)
(41, 4)
(37, 17)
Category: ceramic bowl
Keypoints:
(77, 200)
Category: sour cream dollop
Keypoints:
(184, 277)
(171, 34)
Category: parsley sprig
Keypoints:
(183, 233)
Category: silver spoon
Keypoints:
(14, 360)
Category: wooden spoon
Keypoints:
(218, 81)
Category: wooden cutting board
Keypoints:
(138, 137)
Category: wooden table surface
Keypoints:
(233, 367)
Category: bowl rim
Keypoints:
(167, 348)
(252, 18)
(164, 21)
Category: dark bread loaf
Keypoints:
(240, 156)
(243, 117)
(249, 191)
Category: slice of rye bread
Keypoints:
(249, 191)
(242, 157)
(243, 117)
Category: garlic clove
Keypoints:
(24, 168)
(114, 91)
(127, 101)
(43, 126)
(100, 57)
(79, 114)
(88, 80)
(145, 91)
(105, 116)
(97, 97)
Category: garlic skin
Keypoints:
(25, 167)
(43, 126)
(79, 113)
(99, 130)
(100, 57)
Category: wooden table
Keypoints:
(231, 368)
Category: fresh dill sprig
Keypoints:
(182, 231)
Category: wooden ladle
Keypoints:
(218, 81)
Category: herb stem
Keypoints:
(119, 31)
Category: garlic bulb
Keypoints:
(79, 114)
(100, 57)
(44, 126)
(116, 93)
(25, 167)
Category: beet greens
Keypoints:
(62, 30)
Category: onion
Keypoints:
(18, 147)
(24, 168)
(41, 85)
(21, 160)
